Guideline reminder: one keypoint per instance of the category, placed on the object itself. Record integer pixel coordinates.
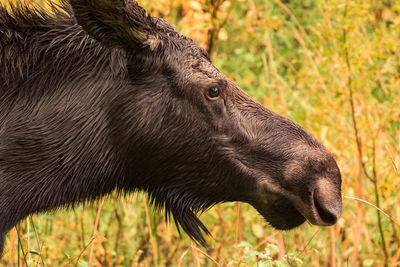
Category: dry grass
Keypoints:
(333, 66)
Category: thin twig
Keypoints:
(359, 188)
(20, 245)
(37, 241)
(392, 159)
(196, 261)
(181, 258)
(83, 250)
(95, 232)
(308, 243)
(153, 241)
(28, 234)
(377, 200)
(332, 247)
(117, 240)
(372, 205)
(208, 256)
(287, 10)
(237, 234)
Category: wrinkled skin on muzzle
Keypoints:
(130, 104)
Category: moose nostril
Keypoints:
(328, 213)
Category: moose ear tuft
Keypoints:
(115, 23)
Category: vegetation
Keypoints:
(334, 67)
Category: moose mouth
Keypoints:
(282, 215)
(288, 212)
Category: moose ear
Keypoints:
(115, 23)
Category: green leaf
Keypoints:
(273, 249)
(279, 264)
(34, 252)
(368, 262)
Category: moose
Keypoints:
(98, 96)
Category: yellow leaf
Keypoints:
(248, 79)
(195, 5)
(222, 35)
(258, 230)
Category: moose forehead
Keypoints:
(181, 53)
(200, 63)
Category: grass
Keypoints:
(333, 66)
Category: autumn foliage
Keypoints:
(332, 66)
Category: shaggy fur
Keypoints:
(100, 96)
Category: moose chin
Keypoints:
(100, 96)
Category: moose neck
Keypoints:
(56, 86)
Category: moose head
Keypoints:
(125, 102)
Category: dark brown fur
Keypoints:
(104, 97)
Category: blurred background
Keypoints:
(333, 66)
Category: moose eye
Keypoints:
(213, 92)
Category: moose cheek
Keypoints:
(217, 108)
